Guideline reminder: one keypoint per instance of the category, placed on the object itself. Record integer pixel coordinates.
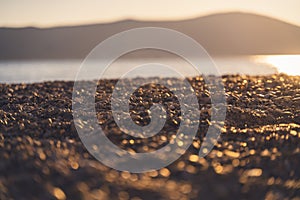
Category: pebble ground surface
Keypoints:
(257, 155)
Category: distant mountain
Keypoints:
(223, 34)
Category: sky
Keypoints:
(45, 13)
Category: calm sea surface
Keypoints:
(50, 70)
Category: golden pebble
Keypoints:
(191, 169)
(145, 148)
(232, 154)
(181, 165)
(164, 172)
(252, 152)
(271, 181)
(265, 153)
(254, 172)
(196, 145)
(74, 165)
(153, 173)
(243, 144)
(42, 156)
(235, 162)
(59, 194)
(293, 133)
(219, 154)
(194, 158)
(287, 137)
(218, 169)
(163, 138)
(275, 150)
(133, 177)
(125, 175)
(131, 141)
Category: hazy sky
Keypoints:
(45, 13)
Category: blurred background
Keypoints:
(48, 40)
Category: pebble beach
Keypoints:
(256, 157)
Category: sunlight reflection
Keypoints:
(289, 64)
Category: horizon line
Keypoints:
(69, 25)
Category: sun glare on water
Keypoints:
(288, 64)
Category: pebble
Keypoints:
(256, 156)
(59, 194)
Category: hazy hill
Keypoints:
(230, 33)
